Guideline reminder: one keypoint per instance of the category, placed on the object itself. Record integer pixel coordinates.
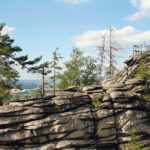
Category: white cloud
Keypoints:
(89, 38)
(74, 2)
(134, 2)
(145, 4)
(6, 30)
(143, 9)
(125, 36)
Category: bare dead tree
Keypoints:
(107, 54)
(110, 51)
(102, 56)
(113, 46)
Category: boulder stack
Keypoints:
(98, 117)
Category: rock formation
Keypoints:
(94, 118)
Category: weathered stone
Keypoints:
(117, 85)
(97, 96)
(107, 85)
(139, 88)
(107, 105)
(124, 105)
(134, 81)
(72, 89)
(106, 127)
(120, 94)
(129, 60)
(122, 89)
(64, 95)
(69, 121)
(44, 147)
(106, 97)
(103, 113)
(91, 88)
(95, 91)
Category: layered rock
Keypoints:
(65, 121)
(94, 118)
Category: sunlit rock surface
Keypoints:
(70, 120)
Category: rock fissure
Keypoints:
(70, 120)
(116, 127)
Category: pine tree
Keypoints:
(43, 70)
(54, 65)
(8, 60)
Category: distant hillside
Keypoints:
(29, 84)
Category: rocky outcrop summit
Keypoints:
(100, 117)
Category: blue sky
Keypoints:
(39, 26)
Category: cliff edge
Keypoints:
(100, 117)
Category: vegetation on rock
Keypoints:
(133, 142)
(143, 71)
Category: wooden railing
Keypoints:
(141, 49)
(137, 52)
(144, 50)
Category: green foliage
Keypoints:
(4, 93)
(133, 142)
(54, 65)
(96, 103)
(79, 71)
(89, 72)
(99, 130)
(146, 97)
(9, 59)
(37, 92)
(16, 97)
(72, 74)
(143, 71)
(39, 69)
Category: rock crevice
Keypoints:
(94, 118)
